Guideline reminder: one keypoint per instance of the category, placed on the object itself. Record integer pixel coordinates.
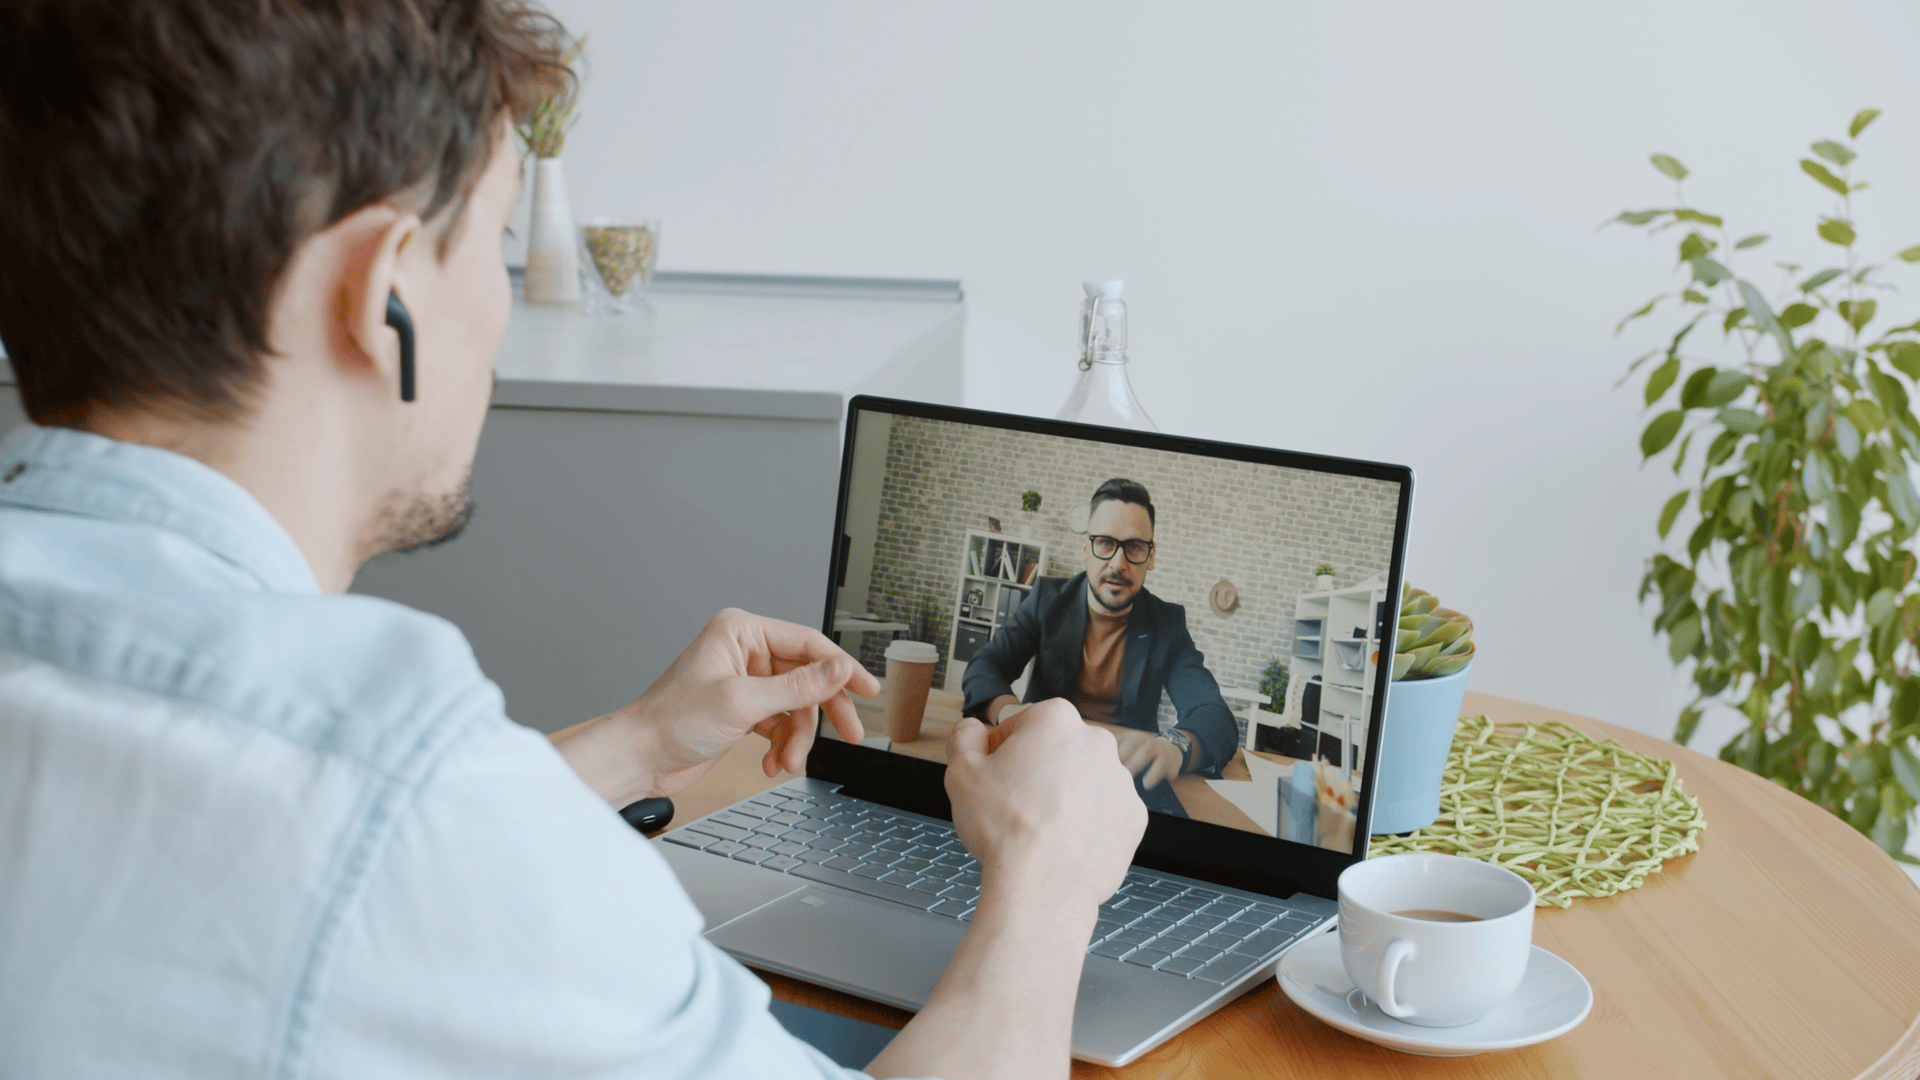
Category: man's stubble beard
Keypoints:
(1101, 601)
(412, 523)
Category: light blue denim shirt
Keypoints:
(251, 830)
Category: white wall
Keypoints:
(1361, 228)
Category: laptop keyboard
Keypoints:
(1154, 922)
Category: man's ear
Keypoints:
(373, 273)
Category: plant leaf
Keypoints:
(1671, 511)
(1684, 728)
(1751, 241)
(1902, 499)
(1797, 315)
(1695, 246)
(1660, 433)
(1709, 273)
(1669, 167)
(1721, 448)
(1724, 388)
(1691, 297)
(1865, 415)
(1824, 175)
(1833, 152)
(1734, 318)
(1880, 607)
(1662, 378)
(1693, 393)
(1911, 255)
(1837, 231)
(1648, 307)
(1816, 478)
(1905, 355)
(1640, 217)
(1890, 831)
(1820, 279)
(1860, 121)
(1683, 214)
(1906, 771)
(1857, 314)
(1743, 421)
(1762, 316)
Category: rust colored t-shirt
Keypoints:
(1097, 692)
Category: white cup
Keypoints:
(1427, 972)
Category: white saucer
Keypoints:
(1552, 1000)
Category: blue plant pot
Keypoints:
(1418, 731)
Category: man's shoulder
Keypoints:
(351, 676)
(1163, 611)
(1160, 606)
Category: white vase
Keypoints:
(1323, 582)
(553, 254)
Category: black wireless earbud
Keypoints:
(402, 323)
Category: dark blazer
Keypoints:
(1050, 628)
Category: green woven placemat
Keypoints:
(1573, 815)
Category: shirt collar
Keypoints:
(64, 471)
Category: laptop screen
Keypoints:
(1220, 609)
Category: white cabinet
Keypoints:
(1336, 643)
(1336, 653)
(997, 572)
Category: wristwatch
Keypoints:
(1185, 742)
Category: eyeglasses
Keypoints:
(1104, 547)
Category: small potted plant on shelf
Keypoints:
(1433, 650)
(1323, 576)
(1029, 506)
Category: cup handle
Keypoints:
(1398, 951)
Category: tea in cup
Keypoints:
(1435, 940)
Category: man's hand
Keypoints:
(1039, 795)
(1054, 822)
(742, 673)
(1150, 757)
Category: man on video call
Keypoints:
(252, 825)
(1106, 644)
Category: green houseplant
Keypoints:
(1432, 641)
(1794, 596)
(1273, 684)
(1029, 506)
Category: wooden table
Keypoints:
(1788, 946)
(1201, 802)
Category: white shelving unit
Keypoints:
(1335, 644)
(996, 574)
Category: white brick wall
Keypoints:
(1261, 527)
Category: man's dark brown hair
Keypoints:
(161, 160)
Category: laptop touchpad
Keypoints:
(867, 947)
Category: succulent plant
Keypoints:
(1325, 569)
(1029, 501)
(1432, 641)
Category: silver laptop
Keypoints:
(966, 530)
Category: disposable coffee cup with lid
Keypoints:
(912, 652)
(909, 677)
